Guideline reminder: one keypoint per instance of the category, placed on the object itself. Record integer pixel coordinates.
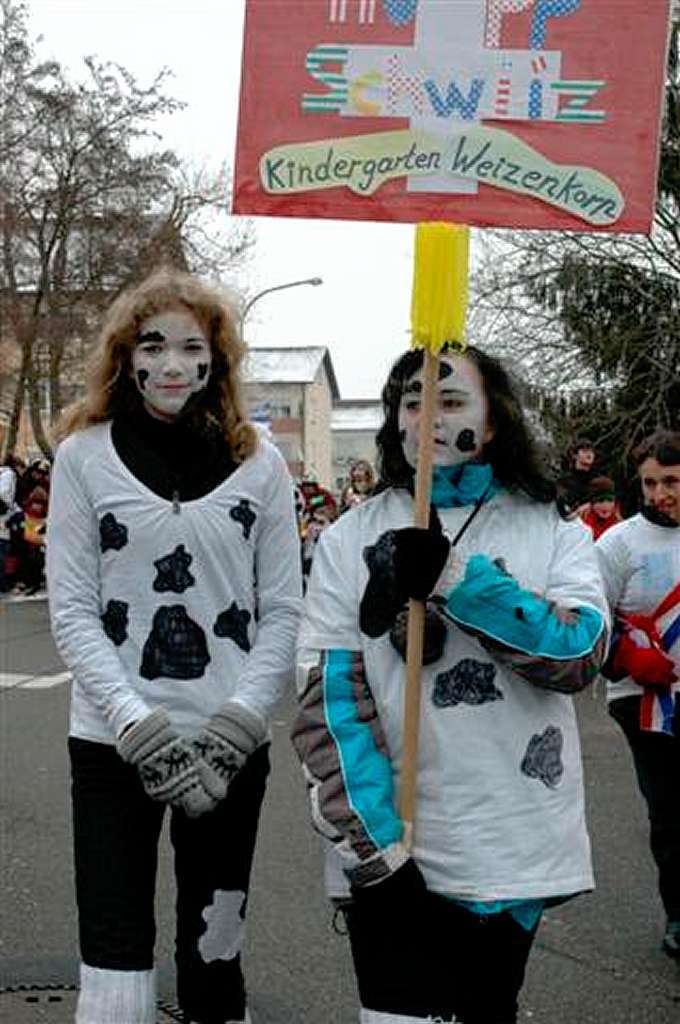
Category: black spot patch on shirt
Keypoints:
(468, 682)
(112, 535)
(173, 571)
(243, 514)
(142, 376)
(465, 442)
(380, 603)
(176, 647)
(115, 621)
(379, 557)
(233, 624)
(543, 757)
(202, 370)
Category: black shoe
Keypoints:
(671, 939)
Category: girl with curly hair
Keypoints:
(174, 589)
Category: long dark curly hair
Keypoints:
(512, 451)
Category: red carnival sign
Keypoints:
(511, 113)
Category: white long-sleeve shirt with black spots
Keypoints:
(175, 605)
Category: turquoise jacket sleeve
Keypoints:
(339, 739)
(553, 646)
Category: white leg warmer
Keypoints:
(116, 997)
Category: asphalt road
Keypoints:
(596, 960)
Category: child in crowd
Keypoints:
(603, 511)
(359, 485)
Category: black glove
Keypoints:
(434, 634)
(401, 564)
(404, 886)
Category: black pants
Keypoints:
(116, 828)
(657, 765)
(33, 566)
(440, 962)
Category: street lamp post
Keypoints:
(274, 288)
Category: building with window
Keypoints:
(291, 391)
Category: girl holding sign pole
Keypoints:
(515, 623)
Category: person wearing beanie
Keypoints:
(516, 623)
(640, 562)
(602, 511)
(573, 485)
(174, 590)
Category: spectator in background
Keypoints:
(320, 510)
(36, 474)
(359, 486)
(581, 467)
(35, 509)
(28, 526)
(640, 562)
(8, 486)
(603, 510)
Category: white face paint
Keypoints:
(460, 424)
(170, 362)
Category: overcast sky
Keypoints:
(361, 312)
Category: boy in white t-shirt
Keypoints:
(640, 562)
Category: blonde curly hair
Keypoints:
(110, 389)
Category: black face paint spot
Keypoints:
(445, 370)
(175, 648)
(233, 624)
(112, 535)
(142, 376)
(243, 514)
(469, 682)
(414, 387)
(115, 621)
(465, 442)
(173, 572)
(543, 757)
(202, 370)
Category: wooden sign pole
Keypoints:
(438, 304)
(416, 609)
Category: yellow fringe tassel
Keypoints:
(440, 286)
